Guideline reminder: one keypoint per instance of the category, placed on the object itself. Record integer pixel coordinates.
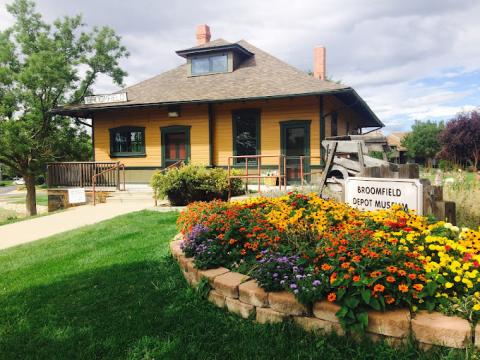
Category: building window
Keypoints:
(335, 124)
(210, 64)
(127, 141)
(246, 134)
(175, 144)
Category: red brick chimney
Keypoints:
(319, 62)
(203, 34)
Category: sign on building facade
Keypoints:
(105, 99)
(380, 193)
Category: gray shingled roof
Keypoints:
(260, 76)
(213, 43)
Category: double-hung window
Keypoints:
(127, 141)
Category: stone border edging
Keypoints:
(242, 296)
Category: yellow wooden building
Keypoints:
(227, 99)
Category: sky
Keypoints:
(409, 59)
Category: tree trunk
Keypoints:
(31, 200)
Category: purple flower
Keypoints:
(316, 282)
(293, 286)
(275, 275)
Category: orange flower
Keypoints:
(412, 276)
(333, 277)
(378, 288)
(326, 267)
(402, 272)
(390, 279)
(389, 299)
(332, 297)
(356, 278)
(418, 287)
(345, 265)
(391, 269)
(243, 252)
(346, 276)
(375, 274)
(232, 241)
(387, 252)
(403, 288)
(356, 258)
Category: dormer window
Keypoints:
(209, 64)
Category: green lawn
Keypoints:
(6, 182)
(112, 291)
(7, 216)
(42, 199)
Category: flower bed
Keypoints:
(318, 250)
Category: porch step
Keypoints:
(132, 194)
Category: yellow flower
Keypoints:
(457, 278)
(448, 285)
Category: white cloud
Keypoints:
(387, 50)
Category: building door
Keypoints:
(175, 145)
(295, 143)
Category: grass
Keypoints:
(113, 291)
(7, 216)
(42, 199)
(464, 191)
(6, 182)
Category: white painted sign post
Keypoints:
(380, 193)
(76, 196)
(105, 99)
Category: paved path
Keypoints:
(37, 228)
(6, 189)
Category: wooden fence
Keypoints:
(80, 174)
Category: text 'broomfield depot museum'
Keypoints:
(226, 99)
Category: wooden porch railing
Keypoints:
(80, 174)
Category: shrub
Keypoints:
(191, 183)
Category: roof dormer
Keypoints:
(213, 57)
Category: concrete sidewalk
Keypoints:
(37, 228)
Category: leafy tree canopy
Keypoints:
(460, 139)
(42, 66)
(422, 142)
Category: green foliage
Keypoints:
(42, 66)
(191, 183)
(445, 165)
(376, 154)
(203, 288)
(423, 141)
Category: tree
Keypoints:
(460, 139)
(41, 66)
(422, 142)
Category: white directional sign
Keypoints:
(105, 99)
(76, 196)
(375, 193)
